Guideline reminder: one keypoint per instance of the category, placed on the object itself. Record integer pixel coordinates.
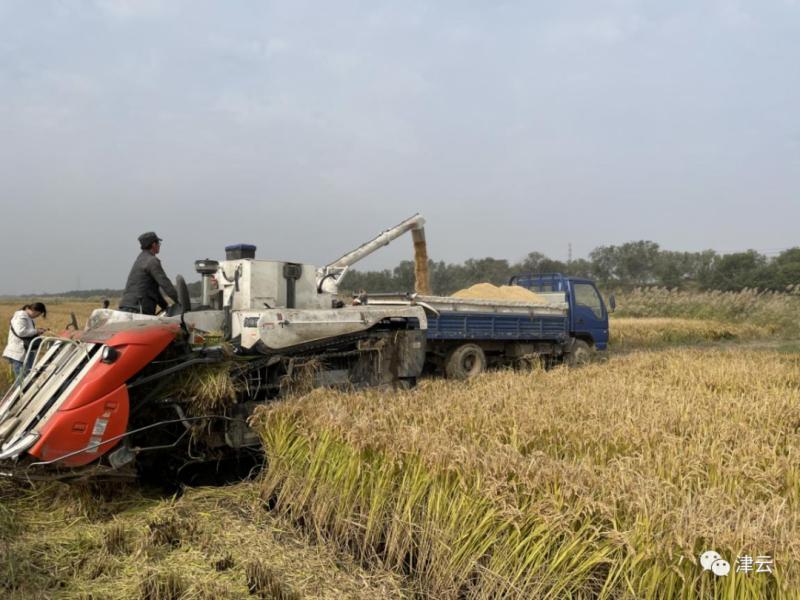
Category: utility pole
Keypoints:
(569, 252)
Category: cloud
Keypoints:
(733, 15)
(249, 50)
(135, 9)
(604, 31)
(70, 83)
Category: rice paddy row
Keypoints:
(605, 482)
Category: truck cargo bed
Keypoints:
(461, 318)
(487, 326)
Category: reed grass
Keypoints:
(651, 332)
(776, 311)
(605, 482)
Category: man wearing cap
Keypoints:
(142, 293)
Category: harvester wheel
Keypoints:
(465, 362)
(580, 354)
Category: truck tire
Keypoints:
(465, 362)
(580, 354)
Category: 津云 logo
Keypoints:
(712, 561)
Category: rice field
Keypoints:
(607, 481)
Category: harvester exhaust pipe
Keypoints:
(206, 268)
(291, 272)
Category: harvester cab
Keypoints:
(132, 391)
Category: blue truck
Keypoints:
(465, 336)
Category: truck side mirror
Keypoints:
(612, 302)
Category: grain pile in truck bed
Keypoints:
(487, 291)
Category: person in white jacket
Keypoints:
(21, 332)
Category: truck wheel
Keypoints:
(465, 362)
(580, 354)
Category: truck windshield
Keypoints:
(586, 295)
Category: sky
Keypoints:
(306, 128)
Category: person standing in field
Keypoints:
(142, 294)
(21, 332)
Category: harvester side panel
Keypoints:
(71, 400)
(136, 347)
(83, 434)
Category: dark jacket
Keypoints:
(141, 290)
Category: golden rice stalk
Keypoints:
(602, 483)
(208, 388)
(302, 377)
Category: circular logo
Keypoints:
(707, 559)
(720, 567)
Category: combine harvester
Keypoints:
(102, 400)
(108, 401)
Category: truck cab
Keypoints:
(588, 315)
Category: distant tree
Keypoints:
(403, 277)
(604, 262)
(633, 263)
(731, 272)
(703, 264)
(531, 263)
(579, 268)
(637, 261)
(672, 269)
(443, 277)
(787, 268)
(781, 272)
(492, 270)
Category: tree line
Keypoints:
(633, 264)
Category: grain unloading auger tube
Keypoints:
(329, 276)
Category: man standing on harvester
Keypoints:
(142, 293)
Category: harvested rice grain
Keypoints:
(421, 277)
(487, 291)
